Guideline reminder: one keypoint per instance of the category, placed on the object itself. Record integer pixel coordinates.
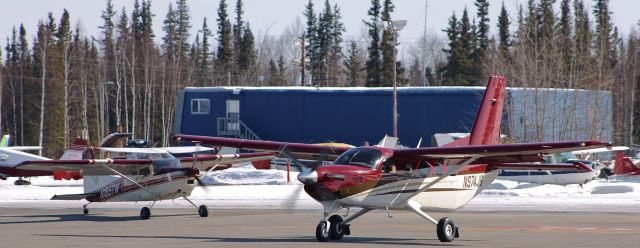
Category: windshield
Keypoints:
(560, 157)
(360, 157)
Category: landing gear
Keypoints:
(446, 230)
(145, 213)
(322, 231)
(21, 181)
(336, 228)
(203, 211)
(85, 210)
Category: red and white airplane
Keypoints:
(142, 174)
(414, 179)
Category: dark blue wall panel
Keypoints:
(349, 116)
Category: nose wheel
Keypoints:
(332, 229)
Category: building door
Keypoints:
(233, 115)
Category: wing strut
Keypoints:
(128, 179)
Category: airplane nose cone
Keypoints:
(308, 176)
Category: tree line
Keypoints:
(56, 83)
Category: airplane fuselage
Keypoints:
(159, 187)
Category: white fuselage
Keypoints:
(449, 194)
(160, 187)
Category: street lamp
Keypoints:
(394, 27)
(103, 86)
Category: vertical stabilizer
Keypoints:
(5, 141)
(624, 165)
(75, 151)
(486, 127)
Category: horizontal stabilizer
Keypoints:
(73, 196)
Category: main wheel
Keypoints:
(145, 213)
(85, 210)
(203, 211)
(336, 231)
(322, 232)
(21, 182)
(446, 230)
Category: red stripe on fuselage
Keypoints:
(132, 187)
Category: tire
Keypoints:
(336, 231)
(145, 213)
(203, 211)
(21, 182)
(85, 211)
(322, 234)
(446, 230)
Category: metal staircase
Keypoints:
(234, 127)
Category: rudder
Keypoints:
(486, 127)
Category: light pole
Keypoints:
(103, 86)
(394, 27)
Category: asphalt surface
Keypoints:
(181, 227)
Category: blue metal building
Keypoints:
(315, 115)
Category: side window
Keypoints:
(389, 166)
(200, 106)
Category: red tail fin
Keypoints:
(486, 127)
(624, 165)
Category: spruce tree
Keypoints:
(387, 45)
(311, 32)
(374, 60)
(483, 26)
(353, 65)
(238, 28)
(503, 33)
(225, 51)
(248, 54)
(205, 59)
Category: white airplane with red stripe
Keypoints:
(143, 174)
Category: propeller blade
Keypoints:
(291, 202)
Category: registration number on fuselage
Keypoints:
(110, 191)
(473, 181)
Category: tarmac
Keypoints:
(182, 227)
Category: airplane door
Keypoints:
(233, 115)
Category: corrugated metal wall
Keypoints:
(343, 115)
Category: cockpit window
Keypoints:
(360, 157)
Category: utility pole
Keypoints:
(303, 57)
(303, 65)
(395, 26)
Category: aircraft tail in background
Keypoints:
(486, 127)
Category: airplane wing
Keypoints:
(298, 150)
(23, 148)
(599, 150)
(206, 161)
(88, 166)
(578, 166)
(156, 150)
(185, 149)
(501, 153)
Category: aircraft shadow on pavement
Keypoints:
(51, 218)
(300, 239)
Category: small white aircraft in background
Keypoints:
(10, 156)
(140, 174)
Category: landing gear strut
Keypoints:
(445, 228)
(203, 211)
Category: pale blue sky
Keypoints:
(276, 15)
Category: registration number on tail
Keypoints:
(473, 181)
